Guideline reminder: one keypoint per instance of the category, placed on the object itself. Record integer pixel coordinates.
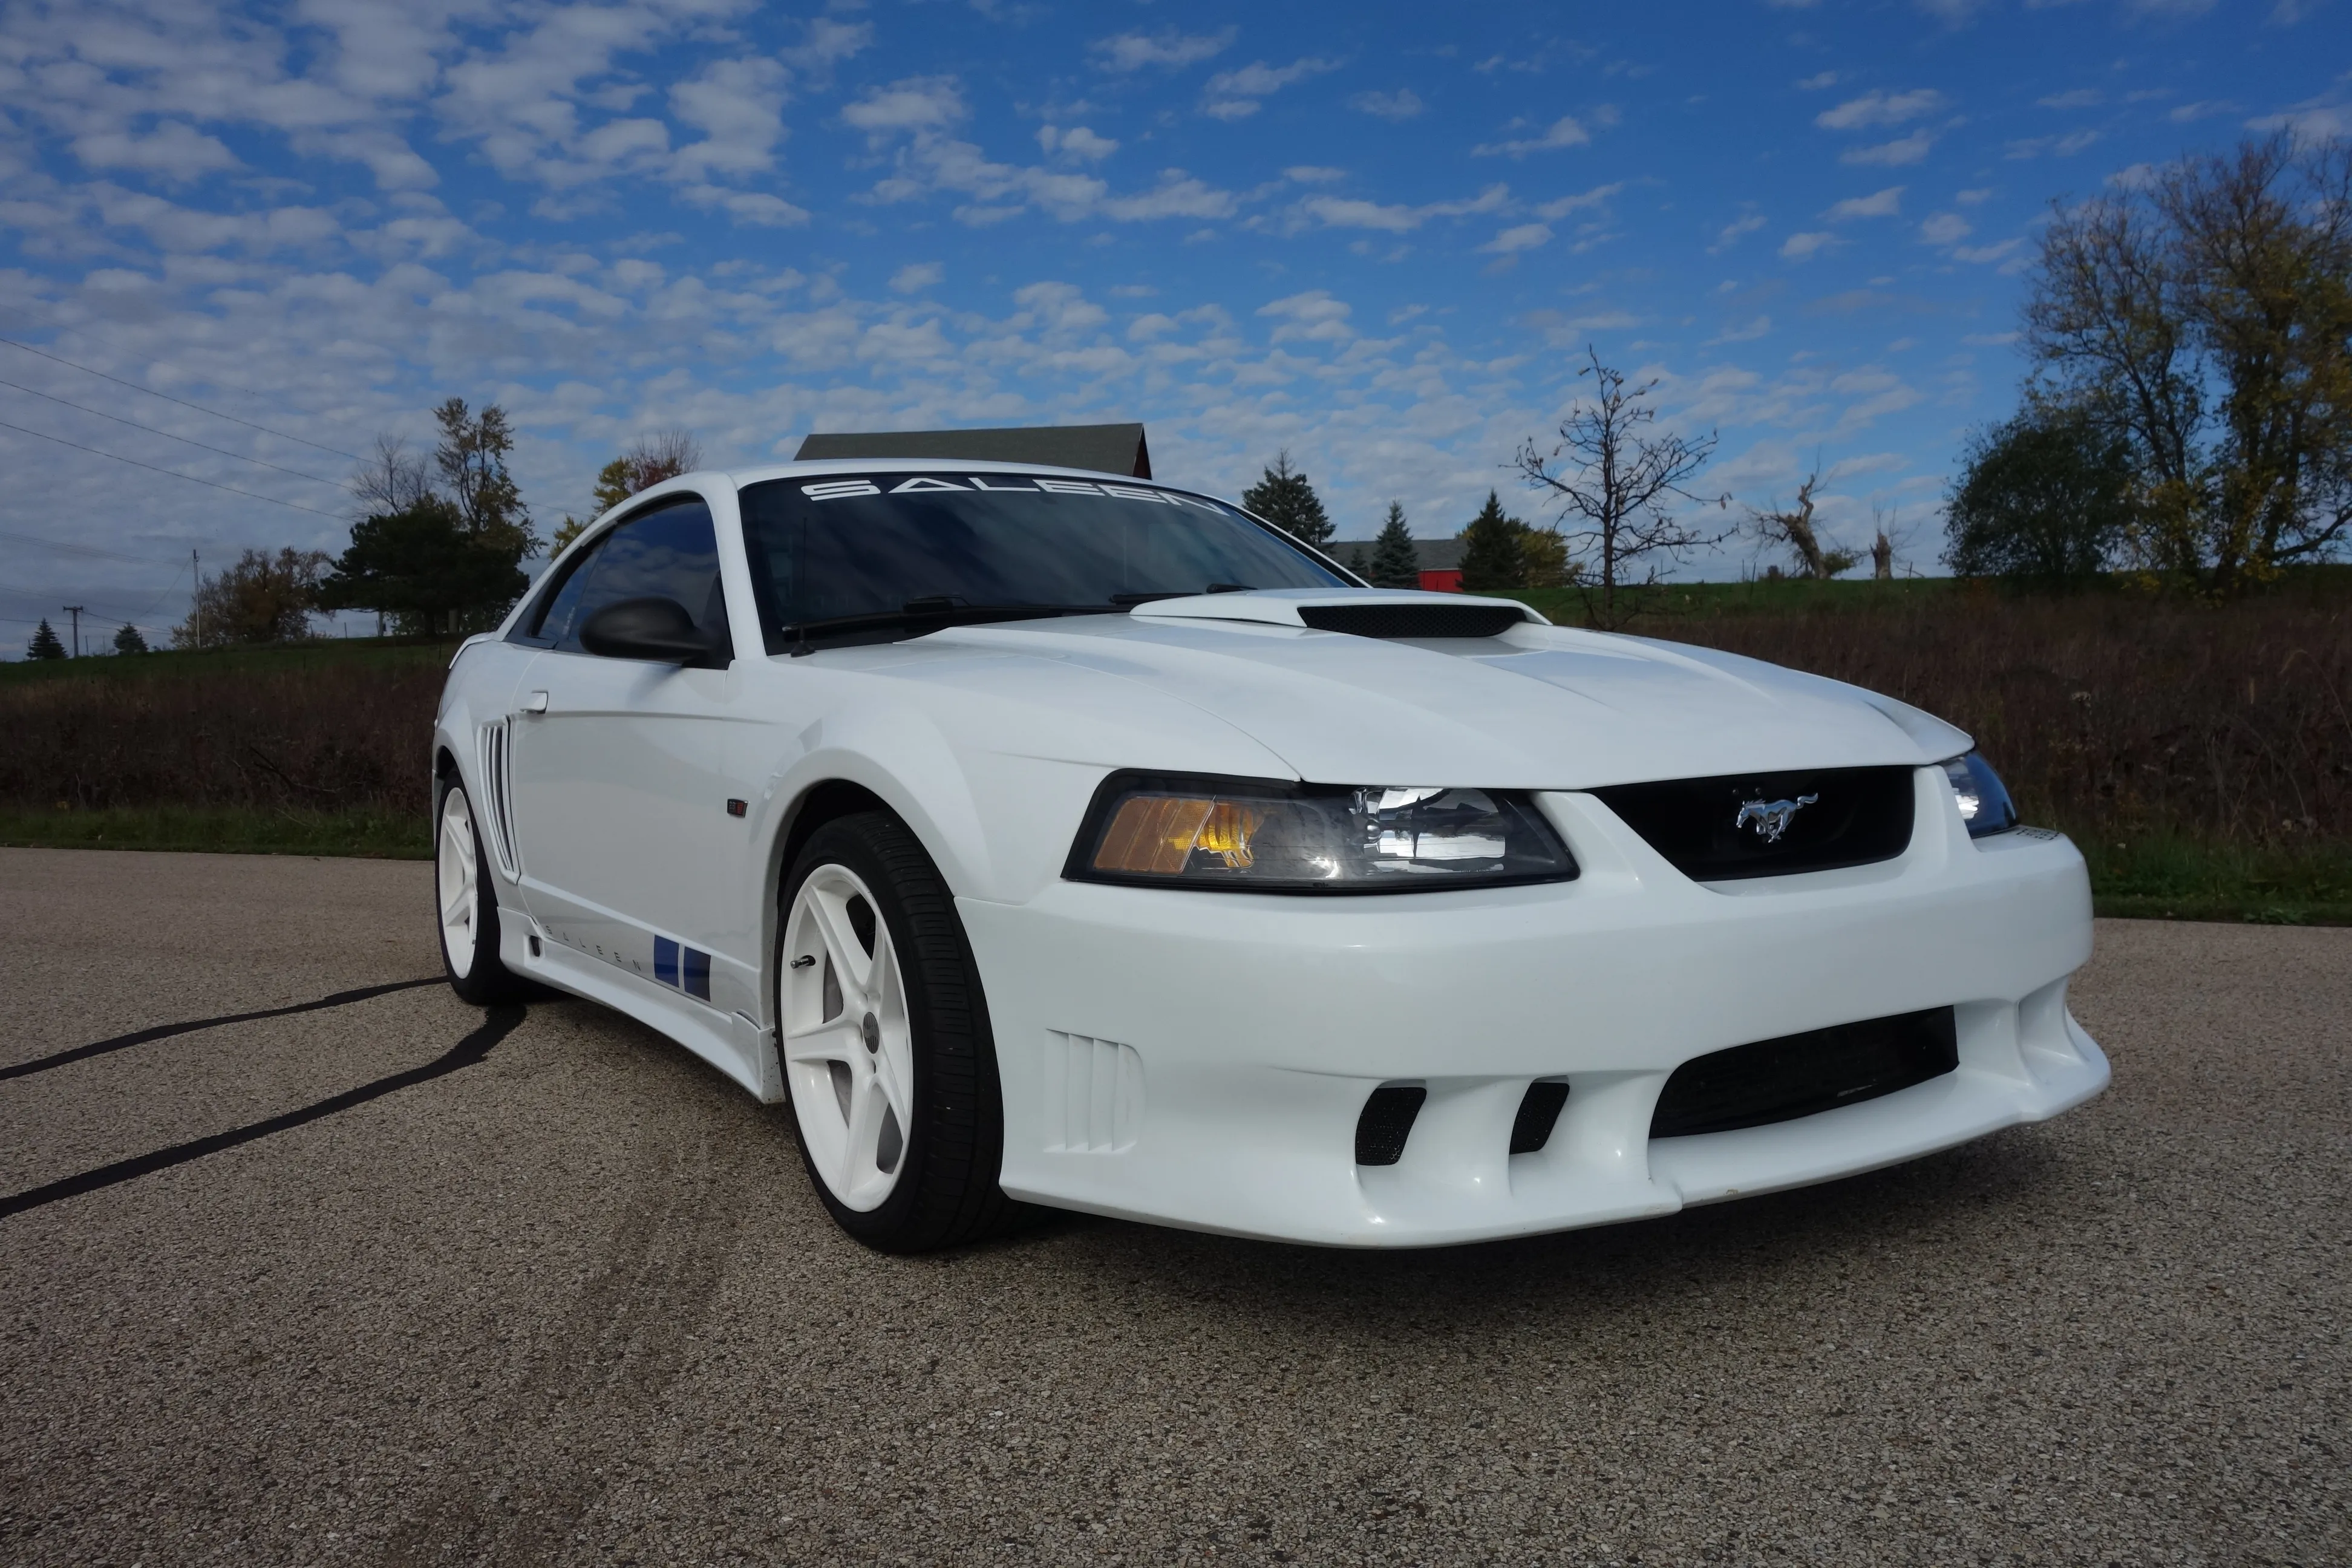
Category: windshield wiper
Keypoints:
(1127, 599)
(930, 613)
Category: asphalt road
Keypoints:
(388, 1281)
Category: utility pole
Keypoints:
(75, 611)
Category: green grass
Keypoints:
(221, 831)
(2180, 879)
(326, 653)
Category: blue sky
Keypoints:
(1378, 236)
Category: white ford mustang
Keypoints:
(1043, 836)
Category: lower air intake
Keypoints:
(1414, 620)
(1386, 1122)
(1539, 1109)
(1798, 1075)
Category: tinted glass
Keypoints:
(849, 545)
(553, 613)
(672, 553)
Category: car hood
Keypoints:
(1540, 707)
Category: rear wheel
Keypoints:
(886, 1042)
(468, 908)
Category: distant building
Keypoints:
(1105, 448)
(1440, 561)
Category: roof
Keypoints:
(1431, 554)
(1098, 448)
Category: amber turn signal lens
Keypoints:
(1154, 835)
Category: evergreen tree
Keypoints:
(426, 569)
(45, 643)
(1286, 500)
(128, 640)
(1395, 563)
(1494, 550)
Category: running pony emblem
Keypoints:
(1770, 818)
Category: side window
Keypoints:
(669, 553)
(551, 616)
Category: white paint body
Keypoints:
(1201, 1057)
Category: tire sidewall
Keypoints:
(480, 983)
(842, 843)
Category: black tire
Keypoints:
(947, 1194)
(483, 980)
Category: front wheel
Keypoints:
(468, 907)
(886, 1042)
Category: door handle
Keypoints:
(535, 703)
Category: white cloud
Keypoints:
(747, 206)
(1344, 212)
(1168, 49)
(1877, 108)
(1816, 83)
(1313, 174)
(1972, 198)
(1562, 132)
(1985, 255)
(1234, 94)
(1521, 237)
(1078, 144)
(1805, 246)
(172, 151)
(1746, 332)
(2202, 109)
(1946, 229)
(738, 104)
(916, 276)
(1902, 150)
(1735, 230)
(911, 104)
(1878, 204)
(1313, 316)
(1178, 195)
(1554, 210)
(2057, 146)
(1402, 104)
(2079, 98)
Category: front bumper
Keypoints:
(1200, 1058)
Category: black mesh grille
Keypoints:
(1413, 620)
(1797, 1075)
(1386, 1122)
(1720, 830)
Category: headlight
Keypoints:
(1266, 835)
(1984, 804)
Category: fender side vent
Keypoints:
(1539, 1109)
(1386, 1122)
(1414, 620)
(1799, 1074)
(498, 786)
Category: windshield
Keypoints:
(897, 550)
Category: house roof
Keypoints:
(1431, 554)
(1100, 448)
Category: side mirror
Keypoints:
(658, 630)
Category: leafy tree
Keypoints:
(1616, 478)
(1395, 563)
(2045, 498)
(1494, 553)
(1794, 531)
(440, 547)
(425, 568)
(127, 639)
(1286, 500)
(261, 599)
(45, 644)
(2204, 319)
(663, 455)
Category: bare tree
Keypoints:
(1793, 530)
(392, 479)
(1614, 476)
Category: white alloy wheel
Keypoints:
(847, 1047)
(459, 882)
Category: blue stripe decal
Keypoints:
(697, 974)
(666, 960)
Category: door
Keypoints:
(625, 769)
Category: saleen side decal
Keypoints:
(683, 967)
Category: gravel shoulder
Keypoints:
(571, 1302)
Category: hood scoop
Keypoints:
(1359, 612)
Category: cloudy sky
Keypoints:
(1380, 236)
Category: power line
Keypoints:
(91, 550)
(175, 473)
(208, 445)
(180, 401)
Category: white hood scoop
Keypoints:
(1402, 613)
